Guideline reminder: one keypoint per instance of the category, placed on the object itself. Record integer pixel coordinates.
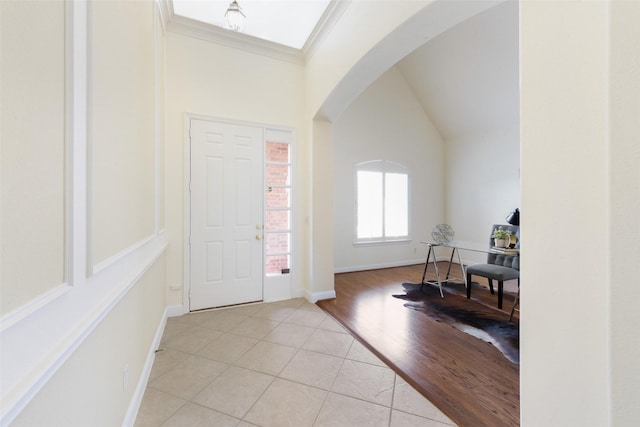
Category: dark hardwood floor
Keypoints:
(466, 378)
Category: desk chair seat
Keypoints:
(492, 272)
(498, 267)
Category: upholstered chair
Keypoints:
(499, 267)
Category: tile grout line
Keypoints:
(393, 396)
(331, 385)
(277, 375)
(315, 418)
(328, 329)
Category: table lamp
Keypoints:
(514, 217)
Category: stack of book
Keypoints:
(506, 251)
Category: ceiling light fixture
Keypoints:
(235, 17)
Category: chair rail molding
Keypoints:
(34, 348)
(32, 306)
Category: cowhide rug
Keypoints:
(467, 316)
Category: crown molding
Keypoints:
(190, 27)
(325, 24)
(197, 29)
(165, 8)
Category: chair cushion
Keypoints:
(492, 271)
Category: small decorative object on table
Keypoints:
(442, 233)
(500, 236)
(506, 251)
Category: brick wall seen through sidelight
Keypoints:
(278, 208)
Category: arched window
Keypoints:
(382, 202)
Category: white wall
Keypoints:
(122, 194)
(386, 122)
(64, 353)
(579, 142)
(32, 137)
(467, 79)
(481, 121)
(482, 183)
(624, 207)
(564, 348)
(213, 80)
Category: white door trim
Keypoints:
(186, 288)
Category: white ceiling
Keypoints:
(467, 78)
(286, 22)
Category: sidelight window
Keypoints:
(277, 208)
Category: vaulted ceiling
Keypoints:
(467, 79)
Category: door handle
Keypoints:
(258, 237)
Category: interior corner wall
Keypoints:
(386, 122)
(482, 183)
(89, 389)
(321, 285)
(212, 80)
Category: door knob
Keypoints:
(258, 237)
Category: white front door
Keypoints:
(226, 214)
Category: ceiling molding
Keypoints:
(197, 29)
(208, 32)
(192, 28)
(164, 9)
(327, 21)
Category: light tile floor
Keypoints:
(277, 364)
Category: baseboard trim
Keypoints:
(176, 310)
(136, 399)
(317, 296)
(381, 265)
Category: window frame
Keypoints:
(272, 137)
(383, 166)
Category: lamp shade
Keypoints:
(235, 17)
(514, 217)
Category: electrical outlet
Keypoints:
(125, 377)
